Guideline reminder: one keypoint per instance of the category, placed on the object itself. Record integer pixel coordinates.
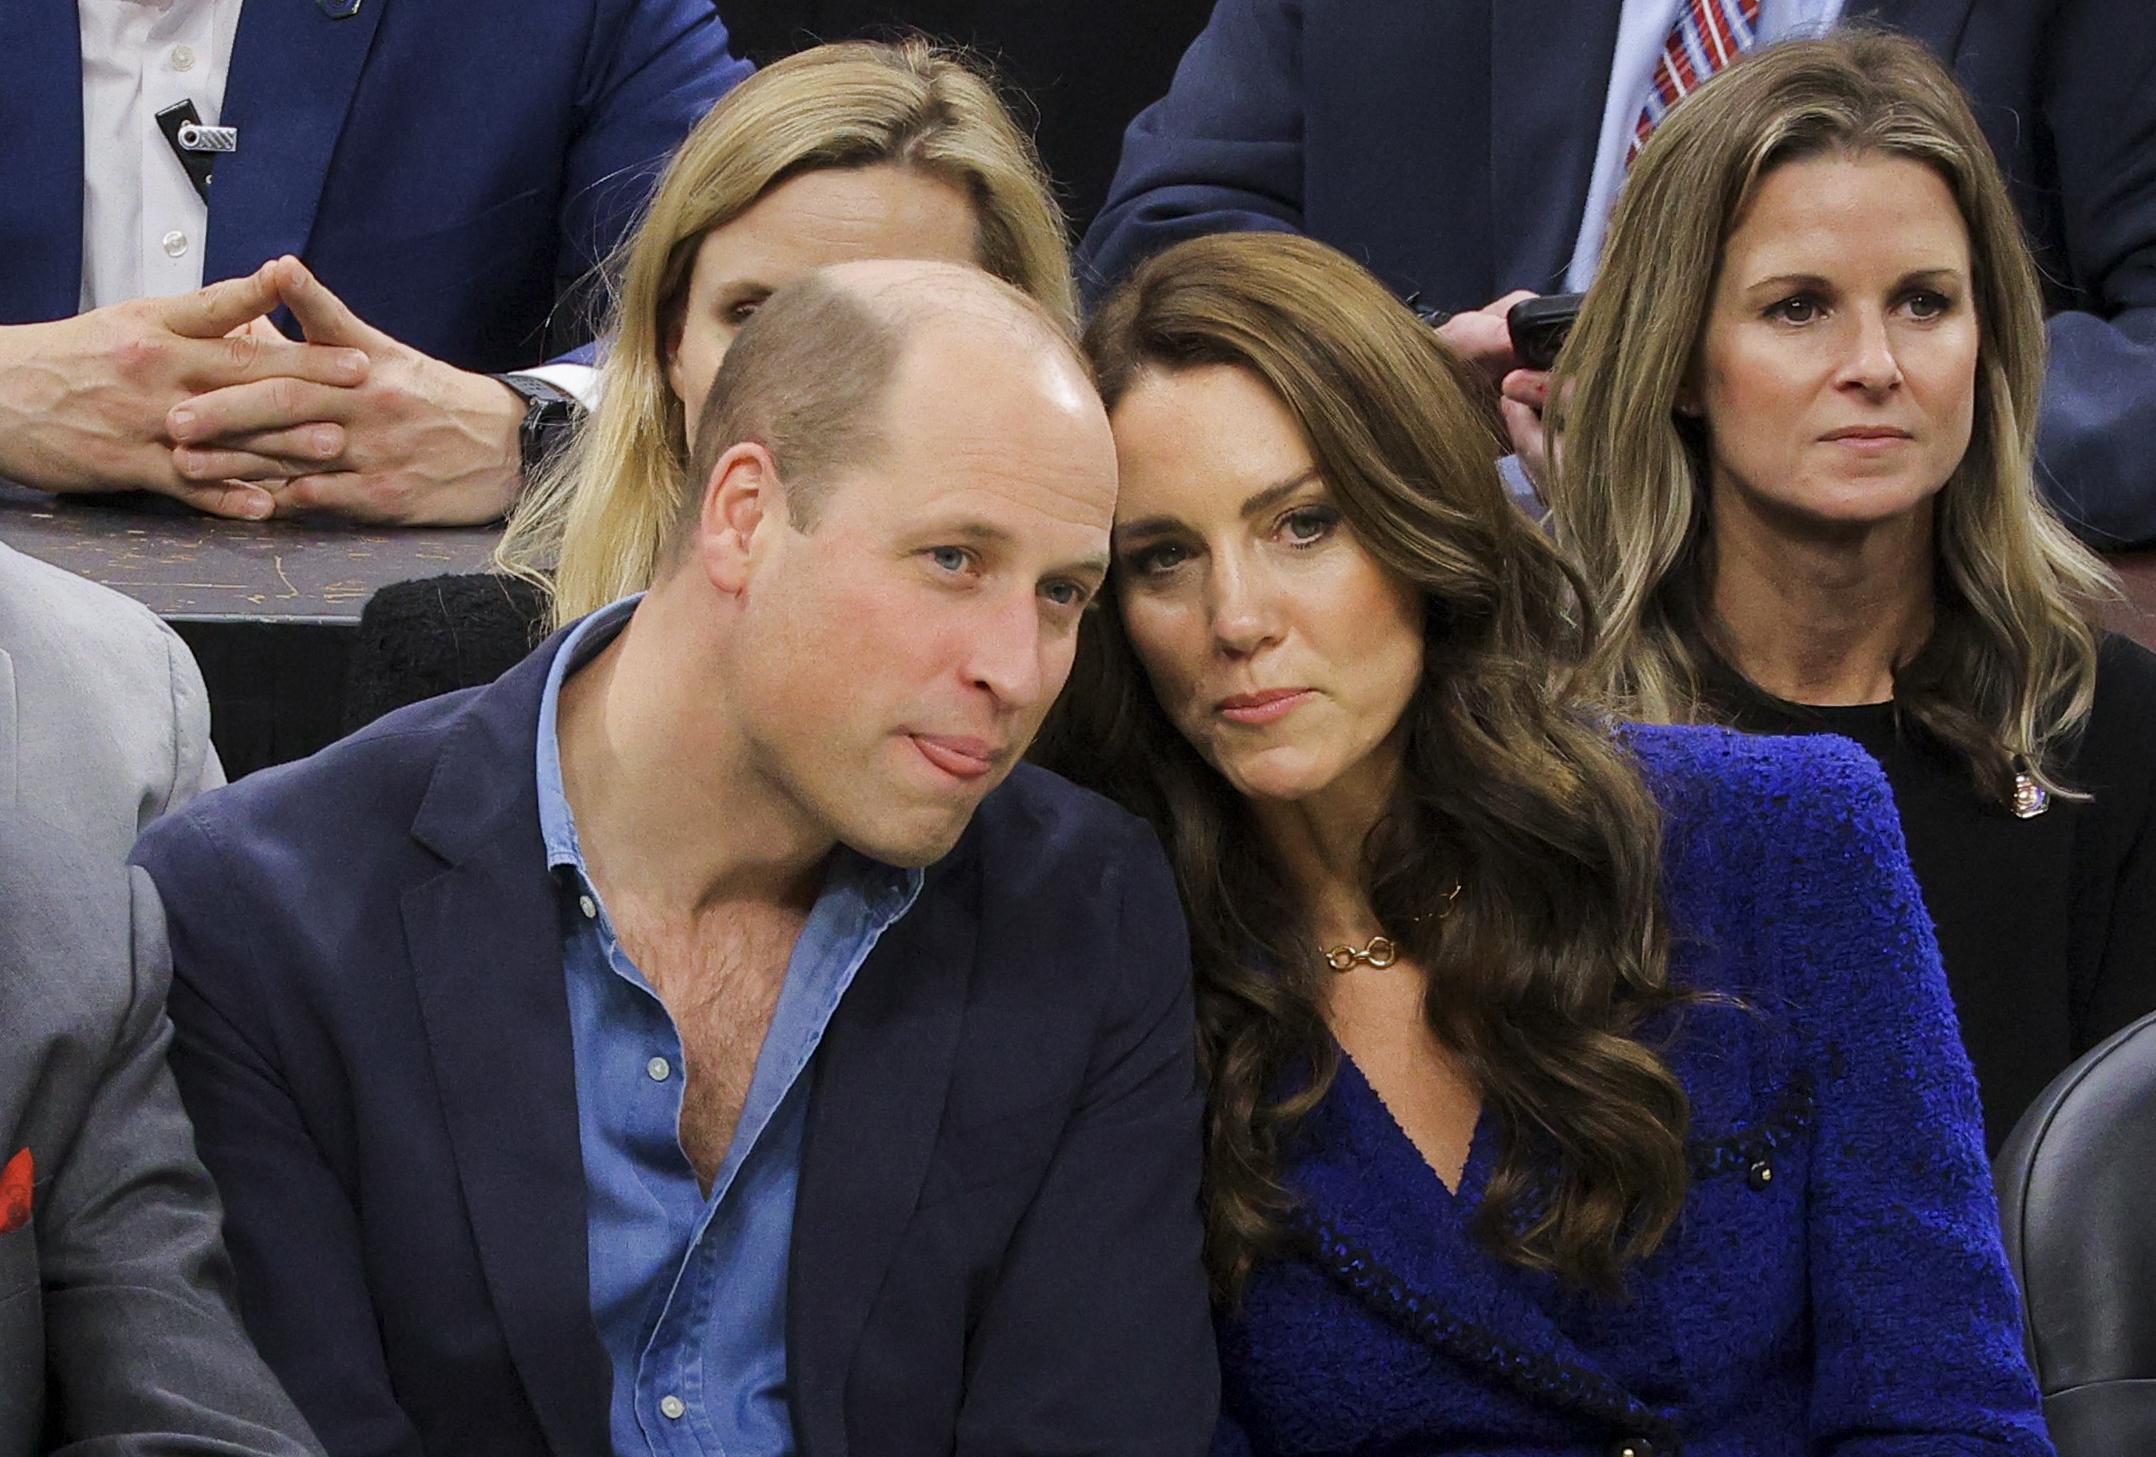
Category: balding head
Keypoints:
(809, 377)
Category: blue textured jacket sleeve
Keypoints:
(1221, 152)
(1916, 1328)
(651, 71)
(2097, 433)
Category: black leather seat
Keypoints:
(438, 634)
(2077, 1197)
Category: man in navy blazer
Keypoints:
(450, 170)
(1451, 149)
(705, 1039)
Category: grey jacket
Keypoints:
(103, 722)
(117, 1325)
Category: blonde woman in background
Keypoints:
(1798, 420)
(845, 151)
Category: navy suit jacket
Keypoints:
(451, 168)
(1450, 147)
(996, 1246)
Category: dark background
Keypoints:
(1085, 68)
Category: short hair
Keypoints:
(808, 376)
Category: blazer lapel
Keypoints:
(484, 939)
(295, 67)
(1542, 151)
(882, 1075)
(1374, 1217)
(41, 122)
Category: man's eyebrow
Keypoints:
(1257, 504)
(986, 534)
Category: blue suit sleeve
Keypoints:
(651, 71)
(2097, 434)
(292, 1230)
(1221, 152)
(1917, 1343)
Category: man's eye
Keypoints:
(1064, 594)
(949, 558)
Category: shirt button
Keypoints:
(175, 243)
(1760, 1174)
(660, 1069)
(588, 906)
(183, 58)
(672, 1408)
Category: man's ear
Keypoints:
(743, 504)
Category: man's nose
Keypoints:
(1007, 652)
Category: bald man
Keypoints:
(710, 1038)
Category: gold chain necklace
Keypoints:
(1380, 950)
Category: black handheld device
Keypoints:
(1539, 325)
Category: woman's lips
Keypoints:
(1868, 439)
(955, 755)
(1266, 707)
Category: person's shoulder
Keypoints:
(320, 811)
(1041, 836)
(1725, 775)
(48, 610)
(2125, 681)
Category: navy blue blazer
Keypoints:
(451, 168)
(996, 1247)
(1449, 147)
(1835, 1283)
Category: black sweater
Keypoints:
(2047, 925)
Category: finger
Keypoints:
(1525, 428)
(1528, 386)
(348, 494)
(222, 307)
(238, 500)
(322, 316)
(227, 417)
(1505, 305)
(275, 455)
(238, 358)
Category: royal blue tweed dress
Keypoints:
(1835, 1284)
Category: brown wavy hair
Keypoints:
(2008, 673)
(1555, 949)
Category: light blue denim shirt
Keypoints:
(689, 1292)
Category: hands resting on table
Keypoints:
(199, 397)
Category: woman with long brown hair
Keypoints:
(1798, 420)
(1574, 1086)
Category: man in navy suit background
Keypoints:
(1469, 152)
(449, 170)
(709, 1037)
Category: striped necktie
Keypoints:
(1708, 35)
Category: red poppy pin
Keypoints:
(16, 1182)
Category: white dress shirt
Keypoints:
(143, 225)
(1641, 33)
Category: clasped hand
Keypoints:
(199, 398)
(411, 440)
(1482, 338)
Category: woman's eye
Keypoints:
(1153, 560)
(1308, 526)
(1798, 310)
(1924, 304)
(738, 313)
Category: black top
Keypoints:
(2047, 925)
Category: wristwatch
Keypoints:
(549, 411)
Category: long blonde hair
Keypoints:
(2009, 671)
(591, 528)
